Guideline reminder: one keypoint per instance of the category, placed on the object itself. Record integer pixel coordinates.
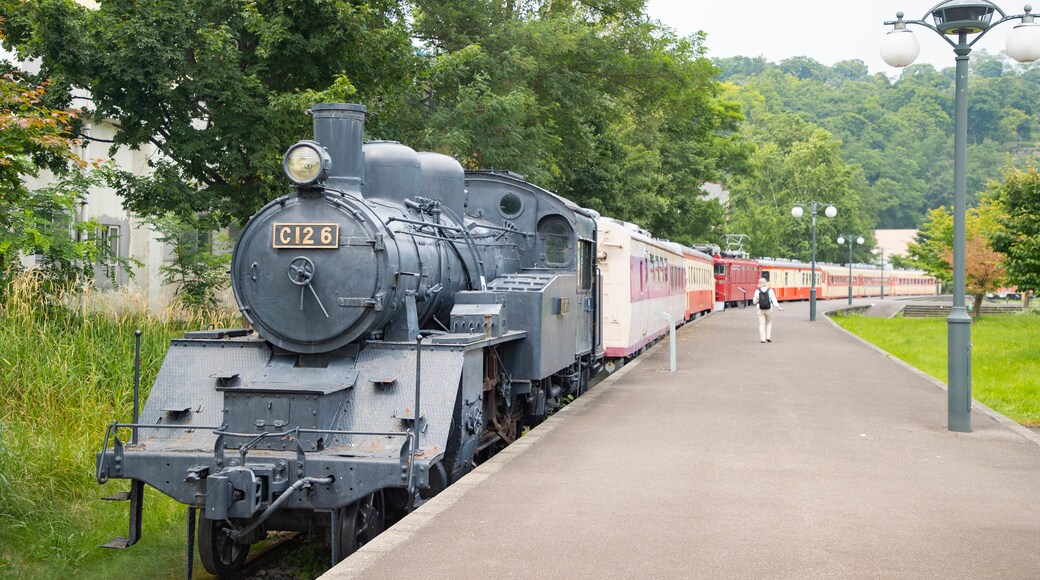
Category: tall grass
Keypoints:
(1005, 359)
(66, 370)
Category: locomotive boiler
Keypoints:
(406, 319)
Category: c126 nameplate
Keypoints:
(305, 235)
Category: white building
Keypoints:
(894, 242)
(127, 235)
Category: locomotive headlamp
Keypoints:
(306, 163)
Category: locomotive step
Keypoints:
(117, 544)
(136, 498)
(121, 496)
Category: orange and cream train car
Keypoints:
(836, 282)
(700, 283)
(642, 277)
(910, 283)
(866, 280)
(791, 280)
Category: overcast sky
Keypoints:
(826, 30)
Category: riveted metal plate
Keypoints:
(185, 390)
(379, 404)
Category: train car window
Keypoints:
(720, 269)
(510, 205)
(765, 274)
(556, 241)
(585, 255)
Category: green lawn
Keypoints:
(1005, 355)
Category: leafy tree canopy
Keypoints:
(1017, 234)
(795, 162)
(589, 99)
(218, 87)
(932, 250)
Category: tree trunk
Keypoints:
(977, 308)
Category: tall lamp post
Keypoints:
(829, 211)
(841, 240)
(899, 48)
(879, 251)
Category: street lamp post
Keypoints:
(829, 211)
(960, 18)
(841, 240)
(881, 251)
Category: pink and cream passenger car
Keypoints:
(643, 277)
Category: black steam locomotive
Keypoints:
(411, 317)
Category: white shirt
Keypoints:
(772, 298)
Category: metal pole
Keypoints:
(850, 272)
(414, 452)
(812, 270)
(418, 386)
(137, 383)
(882, 273)
(958, 343)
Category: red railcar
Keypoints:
(736, 279)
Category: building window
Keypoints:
(108, 242)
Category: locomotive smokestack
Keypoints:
(340, 128)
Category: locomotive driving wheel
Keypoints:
(220, 554)
(360, 522)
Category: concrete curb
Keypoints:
(373, 551)
(998, 417)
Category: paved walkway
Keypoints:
(814, 456)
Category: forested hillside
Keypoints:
(900, 132)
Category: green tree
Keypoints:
(589, 99)
(199, 265)
(217, 86)
(1018, 233)
(932, 250)
(984, 270)
(928, 249)
(35, 138)
(795, 162)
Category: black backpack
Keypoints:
(763, 300)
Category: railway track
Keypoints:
(272, 563)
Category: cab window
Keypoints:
(556, 237)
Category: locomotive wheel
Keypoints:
(220, 554)
(360, 522)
